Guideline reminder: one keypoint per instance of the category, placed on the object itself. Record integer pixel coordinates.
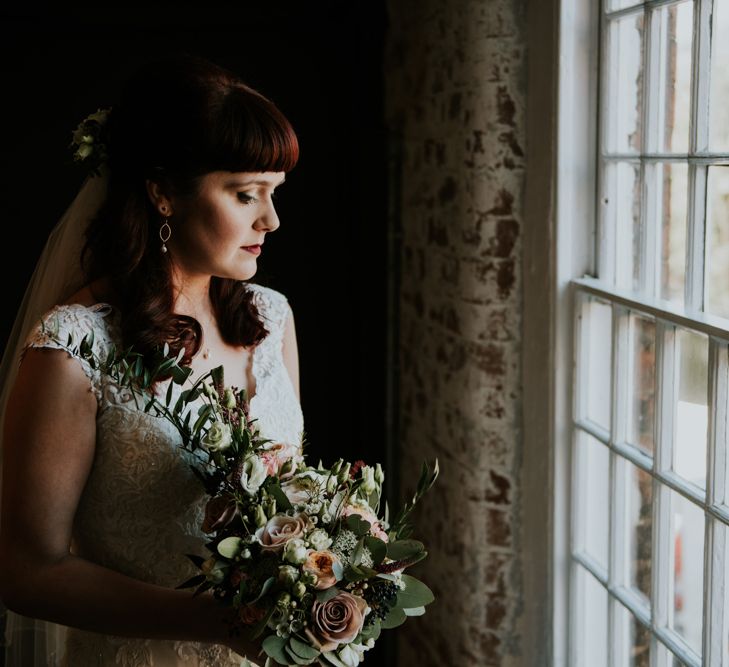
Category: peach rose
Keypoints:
(277, 531)
(336, 621)
(321, 564)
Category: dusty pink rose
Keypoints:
(368, 515)
(275, 456)
(321, 563)
(219, 512)
(274, 534)
(336, 621)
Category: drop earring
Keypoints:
(165, 231)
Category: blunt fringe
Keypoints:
(178, 119)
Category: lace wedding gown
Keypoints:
(142, 507)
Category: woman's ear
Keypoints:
(161, 202)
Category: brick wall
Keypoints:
(455, 89)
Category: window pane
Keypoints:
(621, 213)
(717, 225)
(614, 5)
(643, 365)
(593, 470)
(639, 524)
(625, 82)
(673, 27)
(673, 183)
(692, 412)
(596, 373)
(592, 624)
(635, 651)
(721, 534)
(688, 569)
(719, 92)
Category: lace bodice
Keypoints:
(142, 507)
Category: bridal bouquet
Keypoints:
(302, 554)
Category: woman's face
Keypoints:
(219, 230)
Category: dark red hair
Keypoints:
(178, 119)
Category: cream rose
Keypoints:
(321, 563)
(336, 621)
(218, 437)
(278, 530)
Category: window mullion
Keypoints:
(716, 532)
(606, 236)
(618, 635)
(650, 202)
(698, 141)
(695, 237)
(663, 557)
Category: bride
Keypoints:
(99, 505)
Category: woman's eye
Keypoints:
(246, 198)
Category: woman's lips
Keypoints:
(253, 249)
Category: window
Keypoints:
(649, 566)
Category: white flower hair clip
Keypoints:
(89, 141)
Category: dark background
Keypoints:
(321, 63)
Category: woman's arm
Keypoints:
(49, 443)
(290, 352)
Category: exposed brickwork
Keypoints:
(455, 93)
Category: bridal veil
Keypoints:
(58, 274)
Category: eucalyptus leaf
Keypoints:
(372, 630)
(333, 659)
(377, 548)
(414, 611)
(358, 525)
(302, 649)
(403, 549)
(396, 616)
(327, 594)
(415, 593)
(294, 657)
(273, 645)
(230, 547)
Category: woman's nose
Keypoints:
(269, 220)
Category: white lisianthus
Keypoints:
(228, 398)
(352, 654)
(332, 484)
(218, 437)
(295, 551)
(319, 540)
(209, 390)
(304, 487)
(368, 479)
(85, 149)
(253, 475)
(379, 474)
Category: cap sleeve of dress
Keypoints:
(63, 327)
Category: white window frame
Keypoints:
(568, 236)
